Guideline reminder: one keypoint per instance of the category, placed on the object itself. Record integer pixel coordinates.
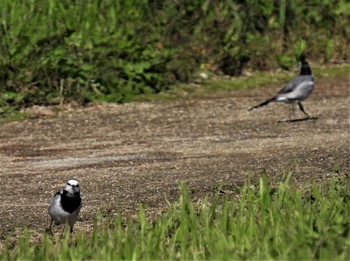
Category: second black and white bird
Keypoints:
(66, 205)
(296, 90)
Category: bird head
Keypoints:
(304, 66)
(72, 186)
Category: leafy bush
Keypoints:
(59, 50)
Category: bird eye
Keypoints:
(77, 186)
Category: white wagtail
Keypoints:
(296, 90)
(65, 205)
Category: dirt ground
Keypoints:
(135, 153)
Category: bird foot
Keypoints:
(48, 230)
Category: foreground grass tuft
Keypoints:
(261, 222)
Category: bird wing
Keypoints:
(296, 90)
(290, 86)
(55, 199)
(296, 83)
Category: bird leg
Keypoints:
(292, 112)
(302, 109)
(49, 229)
(62, 231)
(51, 224)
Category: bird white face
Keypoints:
(72, 186)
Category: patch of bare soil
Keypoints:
(136, 153)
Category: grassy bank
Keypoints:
(256, 80)
(9, 113)
(59, 51)
(257, 222)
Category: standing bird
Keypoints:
(296, 90)
(65, 205)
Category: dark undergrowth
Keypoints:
(53, 52)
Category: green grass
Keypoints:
(257, 80)
(10, 114)
(261, 79)
(260, 222)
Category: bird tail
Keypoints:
(262, 104)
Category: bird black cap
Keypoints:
(304, 65)
(302, 57)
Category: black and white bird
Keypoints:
(65, 205)
(296, 90)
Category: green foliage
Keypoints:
(262, 222)
(60, 50)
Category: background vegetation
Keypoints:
(257, 222)
(56, 51)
